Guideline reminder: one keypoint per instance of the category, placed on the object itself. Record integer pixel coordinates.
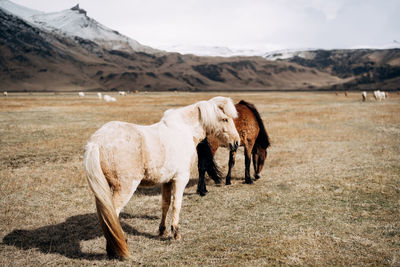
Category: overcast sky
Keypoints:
(260, 24)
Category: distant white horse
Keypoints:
(99, 95)
(5, 93)
(120, 156)
(364, 96)
(379, 95)
(81, 94)
(108, 98)
(122, 93)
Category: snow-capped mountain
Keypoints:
(392, 45)
(18, 10)
(75, 22)
(212, 51)
(289, 53)
(310, 53)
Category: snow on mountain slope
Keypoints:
(199, 50)
(75, 22)
(289, 53)
(393, 45)
(18, 10)
(310, 53)
(211, 51)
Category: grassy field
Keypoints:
(329, 193)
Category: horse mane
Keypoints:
(262, 138)
(210, 111)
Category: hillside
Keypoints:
(364, 68)
(34, 59)
(69, 51)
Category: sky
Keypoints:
(245, 24)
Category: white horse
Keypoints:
(99, 96)
(108, 98)
(379, 95)
(364, 96)
(123, 93)
(120, 156)
(5, 93)
(81, 94)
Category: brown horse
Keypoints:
(253, 137)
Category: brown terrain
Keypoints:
(35, 60)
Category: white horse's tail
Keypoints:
(116, 243)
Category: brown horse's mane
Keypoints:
(262, 138)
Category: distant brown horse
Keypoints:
(253, 137)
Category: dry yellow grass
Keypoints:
(329, 193)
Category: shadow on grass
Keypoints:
(64, 238)
(156, 190)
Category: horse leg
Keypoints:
(247, 159)
(201, 166)
(201, 186)
(255, 166)
(178, 187)
(166, 201)
(230, 166)
(122, 196)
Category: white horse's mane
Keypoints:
(212, 110)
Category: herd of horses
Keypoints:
(121, 156)
(378, 95)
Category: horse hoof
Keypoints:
(162, 231)
(175, 232)
(248, 181)
(177, 236)
(163, 234)
(228, 183)
(256, 176)
(202, 193)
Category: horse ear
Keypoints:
(225, 104)
(229, 108)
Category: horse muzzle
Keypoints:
(233, 147)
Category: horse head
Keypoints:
(217, 116)
(259, 156)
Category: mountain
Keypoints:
(287, 54)
(18, 10)
(74, 22)
(34, 58)
(68, 51)
(212, 51)
(362, 68)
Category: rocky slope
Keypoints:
(68, 51)
(34, 59)
(362, 68)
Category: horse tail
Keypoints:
(262, 138)
(206, 161)
(116, 243)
